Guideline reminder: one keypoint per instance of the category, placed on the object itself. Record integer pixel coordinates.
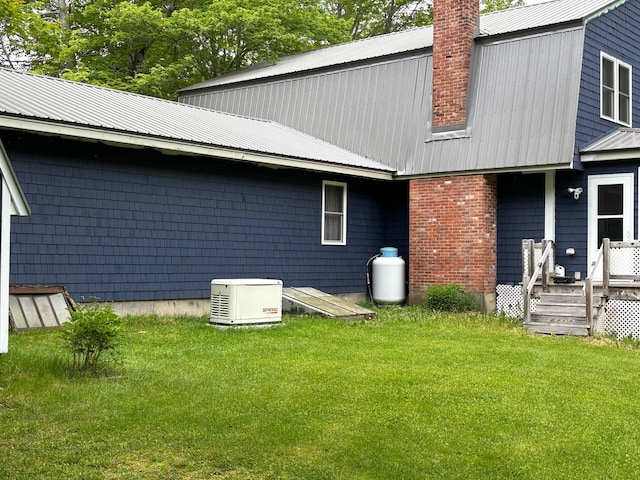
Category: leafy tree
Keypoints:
(21, 31)
(156, 48)
(368, 18)
(487, 6)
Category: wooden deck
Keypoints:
(578, 308)
(562, 310)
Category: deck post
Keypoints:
(527, 271)
(545, 267)
(527, 259)
(606, 266)
(526, 300)
(588, 284)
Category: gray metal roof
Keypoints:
(620, 143)
(542, 15)
(519, 19)
(382, 109)
(619, 139)
(58, 106)
(522, 108)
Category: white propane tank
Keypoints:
(388, 274)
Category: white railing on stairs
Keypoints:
(606, 267)
(587, 289)
(529, 278)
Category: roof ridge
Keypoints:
(517, 21)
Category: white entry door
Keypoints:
(610, 211)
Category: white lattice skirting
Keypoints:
(621, 317)
(509, 301)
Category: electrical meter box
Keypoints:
(245, 301)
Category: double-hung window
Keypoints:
(334, 213)
(615, 90)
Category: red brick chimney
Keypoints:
(454, 26)
(452, 220)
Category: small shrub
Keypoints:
(94, 330)
(450, 298)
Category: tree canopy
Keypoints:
(155, 47)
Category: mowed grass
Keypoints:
(413, 395)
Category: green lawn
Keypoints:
(413, 395)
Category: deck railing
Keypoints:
(617, 262)
(587, 289)
(542, 269)
(620, 263)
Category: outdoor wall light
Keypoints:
(576, 192)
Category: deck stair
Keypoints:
(562, 313)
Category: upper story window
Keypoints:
(334, 213)
(615, 90)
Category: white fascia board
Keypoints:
(603, 11)
(610, 155)
(19, 205)
(171, 146)
(523, 170)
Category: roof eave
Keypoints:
(173, 146)
(630, 154)
(489, 171)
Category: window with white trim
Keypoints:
(615, 90)
(334, 213)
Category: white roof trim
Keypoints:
(19, 203)
(184, 147)
(604, 10)
(611, 155)
(464, 173)
(623, 143)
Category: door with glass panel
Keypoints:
(610, 216)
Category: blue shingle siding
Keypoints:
(614, 33)
(396, 210)
(520, 214)
(571, 221)
(572, 215)
(123, 224)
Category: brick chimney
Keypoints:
(452, 220)
(454, 26)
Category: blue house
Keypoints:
(453, 143)
(534, 138)
(143, 202)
